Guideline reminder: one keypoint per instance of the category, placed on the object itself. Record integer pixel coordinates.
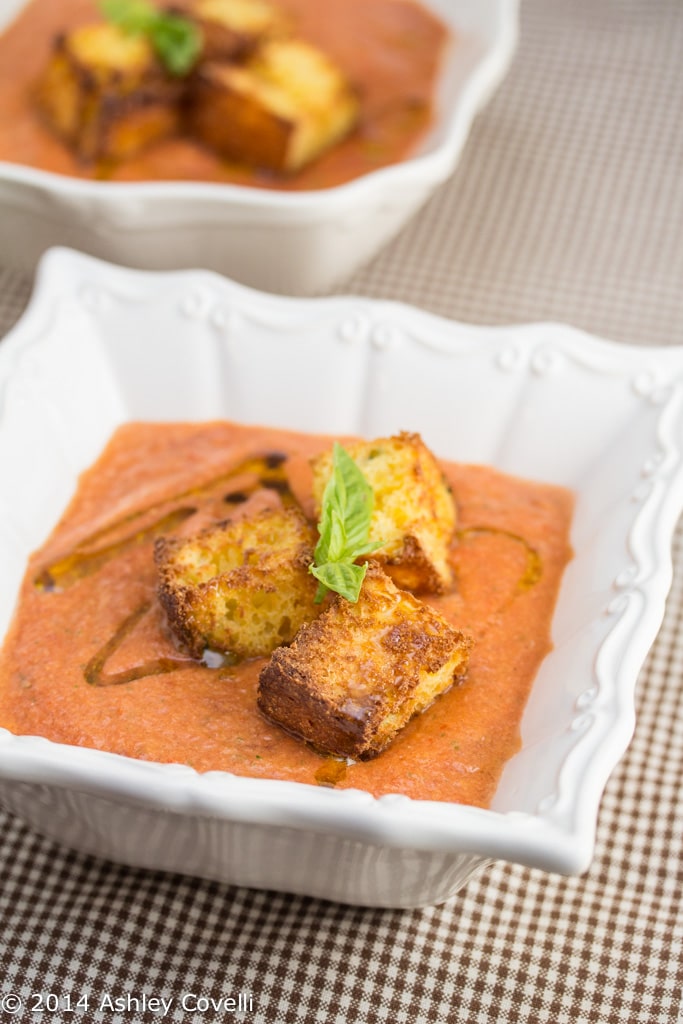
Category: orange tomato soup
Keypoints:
(89, 661)
(390, 50)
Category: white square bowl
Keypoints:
(100, 345)
(292, 242)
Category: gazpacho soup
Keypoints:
(286, 94)
(172, 615)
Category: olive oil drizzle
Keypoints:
(330, 772)
(263, 471)
(79, 564)
(94, 671)
(533, 569)
(266, 470)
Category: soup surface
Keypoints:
(88, 659)
(389, 49)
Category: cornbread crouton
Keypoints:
(231, 29)
(240, 587)
(413, 514)
(278, 110)
(355, 676)
(105, 94)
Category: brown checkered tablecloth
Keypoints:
(567, 205)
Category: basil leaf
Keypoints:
(176, 40)
(177, 43)
(344, 528)
(346, 509)
(135, 16)
(344, 578)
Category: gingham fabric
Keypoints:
(567, 205)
